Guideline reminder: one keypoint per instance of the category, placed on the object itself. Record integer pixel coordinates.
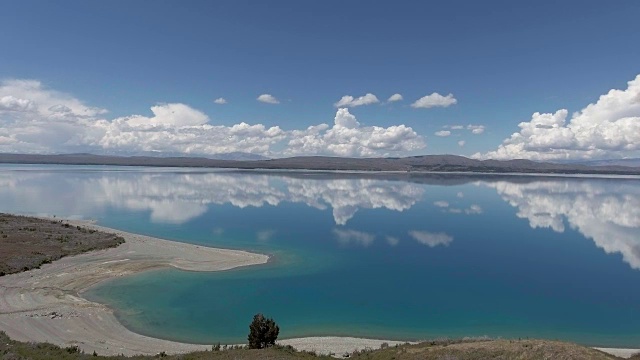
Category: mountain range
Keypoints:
(425, 163)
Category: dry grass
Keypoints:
(27, 242)
(442, 350)
(15, 350)
(486, 349)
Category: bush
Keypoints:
(73, 349)
(263, 332)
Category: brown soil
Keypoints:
(27, 242)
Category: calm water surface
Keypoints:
(359, 255)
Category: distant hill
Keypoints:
(426, 163)
(615, 162)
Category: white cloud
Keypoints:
(609, 128)
(434, 100)
(443, 133)
(394, 98)
(352, 236)
(474, 209)
(431, 239)
(461, 143)
(348, 138)
(460, 194)
(10, 103)
(36, 119)
(166, 115)
(476, 129)
(220, 101)
(268, 99)
(350, 101)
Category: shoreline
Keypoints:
(46, 304)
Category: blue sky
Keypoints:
(502, 61)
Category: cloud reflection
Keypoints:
(179, 197)
(347, 236)
(608, 212)
(431, 239)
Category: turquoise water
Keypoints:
(382, 257)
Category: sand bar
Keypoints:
(46, 305)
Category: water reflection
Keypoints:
(178, 198)
(431, 239)
(608, 212)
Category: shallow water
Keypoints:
(388, 256)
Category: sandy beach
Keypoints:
(46, 305)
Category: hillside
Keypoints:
(426, 163)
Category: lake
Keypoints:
(391, 256)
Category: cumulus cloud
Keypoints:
(10, 103)
(474, 209)
(442, 204)
(476, 129)
(348, 138)
(443, 133)
(461, 143)
(36, 119)
(431, 239)
(346, 236)
(350, 101)
(180, 128)
(608, 128)
(268, 99)
(434, 100)
(394, 98)
(220, 101)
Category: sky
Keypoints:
(540, 80)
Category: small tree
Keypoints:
(263, 332)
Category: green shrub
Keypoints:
(263, 332)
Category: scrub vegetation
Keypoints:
(432, 350)
(27, 243)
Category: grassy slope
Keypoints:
(491, 349)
